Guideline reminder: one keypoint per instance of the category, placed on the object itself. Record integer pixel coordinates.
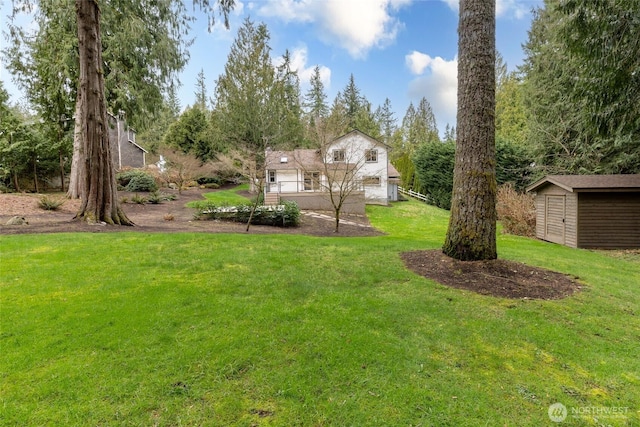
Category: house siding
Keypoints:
(355, 145)
(124, 153)
(609, 220)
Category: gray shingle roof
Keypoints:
(577, 183)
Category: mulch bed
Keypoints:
(499, 278)
(149, 218)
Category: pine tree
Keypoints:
(386, 119)
(201, 92)
(315, 100)
(353, 101)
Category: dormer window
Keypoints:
(284, 159)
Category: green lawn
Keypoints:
(224, 197)
(280, 330)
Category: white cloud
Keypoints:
(354, 25)
(517, 8)
(417, 62)
(299, 57)
(439, 85)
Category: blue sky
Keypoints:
(397, 49)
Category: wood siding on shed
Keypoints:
(609, 220)
(555, 209)
(544, 216)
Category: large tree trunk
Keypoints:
(75, 177)
(472, 226)
(98, 190)
(61, 158)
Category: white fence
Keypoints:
(414, 194)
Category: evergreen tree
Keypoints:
(315, 100)
(581, 86)
(189, 134)
(419, 126)
(386, 118)
(256, 106)
(173, 102)
(287, 102)
(338, 120)
(151, 26)
(511, 119)
(449, 133)
(201, 92)
(409, 139)
(366, 121)
(353, 101)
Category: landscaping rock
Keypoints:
(17, 220)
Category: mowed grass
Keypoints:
(224, 197)
(284, 330)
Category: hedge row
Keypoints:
(285, 215)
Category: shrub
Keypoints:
(50, 204)
(434, 163)
(285, 215)
(205, 180)
(136, 180)
(139, 199)
(155, 198)
(513, 164)
(516, 211)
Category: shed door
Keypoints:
(555, 219)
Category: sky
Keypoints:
(398, 49)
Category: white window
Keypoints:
(311, 181)
(371, 156)
(272, 176)
(371, 180)
(338, 155)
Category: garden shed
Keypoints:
(588, 211)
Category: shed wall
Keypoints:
(570, 220)
(609, 220)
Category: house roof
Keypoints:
(139, 147)
(590, 183)
(357, 131)
(392, 172)
(293, 160)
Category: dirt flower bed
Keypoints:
(167, 217)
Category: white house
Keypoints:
(354, 164)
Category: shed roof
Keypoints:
(590, 183)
